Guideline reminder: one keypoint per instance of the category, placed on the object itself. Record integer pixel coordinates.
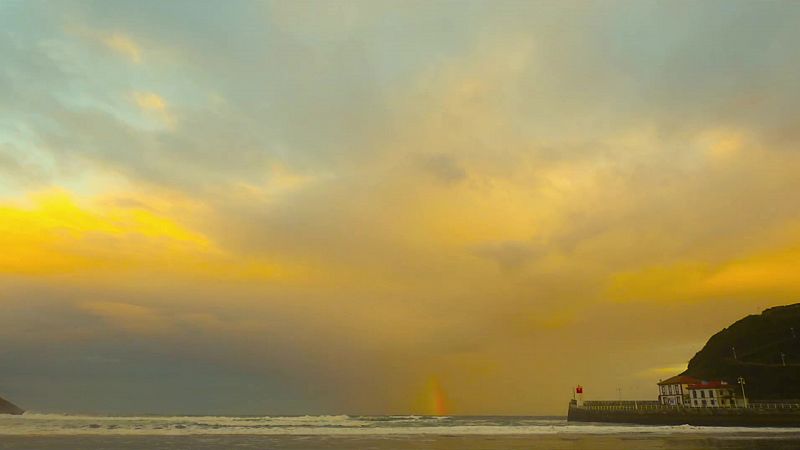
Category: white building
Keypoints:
(675, 390)
(712, 394)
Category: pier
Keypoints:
(764, 414)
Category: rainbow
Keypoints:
(438, 398)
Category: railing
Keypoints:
(627, 405)
(630, 405)
(621, 402)
(774, 405)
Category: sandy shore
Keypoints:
(562, 442)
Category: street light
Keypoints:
(741, 382)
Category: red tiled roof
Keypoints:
(715, 384)
(679, 379)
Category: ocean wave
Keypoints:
(338, 425)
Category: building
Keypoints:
(712, 394)
(675, 390)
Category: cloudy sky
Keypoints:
(386, 207)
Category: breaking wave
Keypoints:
(63, 424)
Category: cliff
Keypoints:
(6, 407)
(759, 340)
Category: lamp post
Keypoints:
(741, 383)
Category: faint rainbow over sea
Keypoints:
(439, 404)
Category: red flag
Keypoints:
(579, 389)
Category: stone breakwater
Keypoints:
(6, 407)
(651, 413)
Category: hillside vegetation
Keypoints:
(758, 340)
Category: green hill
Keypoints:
(758, 340)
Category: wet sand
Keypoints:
(444, 442)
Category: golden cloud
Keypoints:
(123, 45)
(51, 233)
(154, 105)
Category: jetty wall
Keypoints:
(652, 413)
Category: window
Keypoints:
(704, 403)
(711, 393)
(694, 394)
(703, 395)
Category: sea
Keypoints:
(343, 432)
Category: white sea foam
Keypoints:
(62, 424)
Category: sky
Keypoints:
(386, 207)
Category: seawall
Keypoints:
(645, 413)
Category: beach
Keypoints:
(341, 432)
(408, 442)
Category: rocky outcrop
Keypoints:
(763, 348)
(6, 407)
